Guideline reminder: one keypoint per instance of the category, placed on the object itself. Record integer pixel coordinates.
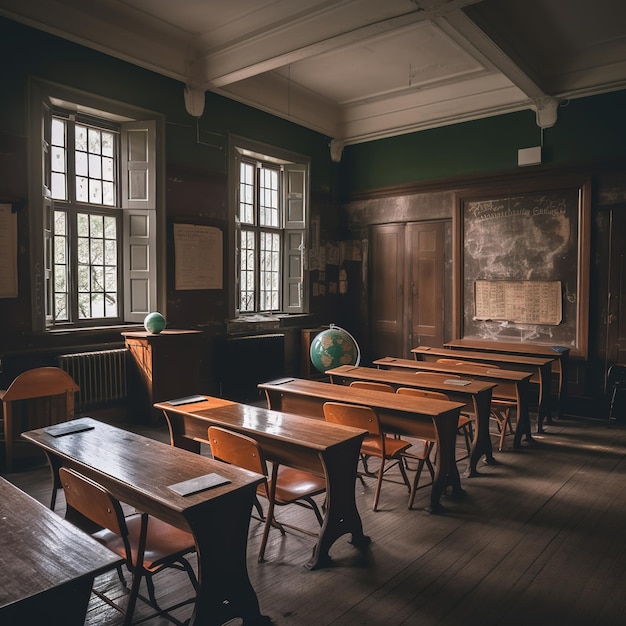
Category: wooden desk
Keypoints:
(476, 395)
(540, 368)
(509, 384)
(138, 470)
(47, 565)
(560, 354)
(416, 417)
(328, 450)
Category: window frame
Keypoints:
(44, 97)
(290, 163)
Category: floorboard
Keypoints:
(539, 538)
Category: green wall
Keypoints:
(588, 130)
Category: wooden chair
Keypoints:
(501, 408)
(465, 425)
(147, 544)
(376, 443)
(36, 398)
(286, 485)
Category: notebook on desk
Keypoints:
(200, 483)
(67, 428)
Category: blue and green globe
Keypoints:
(334, 347)
(154, 323)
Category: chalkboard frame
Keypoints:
(577, 192)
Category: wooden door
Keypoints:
(386, 290)
(425, 297)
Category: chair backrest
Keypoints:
(237, 449)
(421, 393)
(40, 382)
(372, 385)
(468, 363)
(354, 415)
(92, 501)
(436, 376)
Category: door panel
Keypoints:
(425, 261)
(386, 290)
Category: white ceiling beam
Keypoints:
(274, 49)
(467, 34)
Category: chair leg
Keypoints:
(379, 483)
(269, 517)
(137, 571)
(416, 478)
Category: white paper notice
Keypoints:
(199, 257)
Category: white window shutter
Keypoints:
(139, 165)
(140, 219)
(295, 203)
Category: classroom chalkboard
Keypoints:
(528, 237)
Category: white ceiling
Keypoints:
(358, 70)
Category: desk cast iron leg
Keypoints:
(342, 516)
(523, 418)
(482, 439)
(221, 534)
(446, 470)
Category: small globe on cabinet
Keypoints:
(154, 322)
(334, 347)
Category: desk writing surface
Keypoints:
(409, 379)
(526, 348)
(287, 427)
(375, 399)
(40, 552)
(493, 357)
(144, 465)
(469, 370)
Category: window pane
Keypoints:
(108, 144)
(270, 271)
(82, 189)
(246, 193)
(58, 186)
(80, 142)
(57, 162)
(95, 166)
(82, 167)
(57, 132)
(268, 210)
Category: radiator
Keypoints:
(248, 360)
(101, 376)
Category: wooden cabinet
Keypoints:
(167, 366)
(307, 369)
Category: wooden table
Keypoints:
(474, 394)
(509, 384)
(415, 417)
(47, 565)
(328, 450)
(138, 470)
(540, 368)
(560, 354)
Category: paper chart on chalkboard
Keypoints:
(520, 302)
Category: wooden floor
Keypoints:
(539, 539)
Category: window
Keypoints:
(95, 237)
(270, 230)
